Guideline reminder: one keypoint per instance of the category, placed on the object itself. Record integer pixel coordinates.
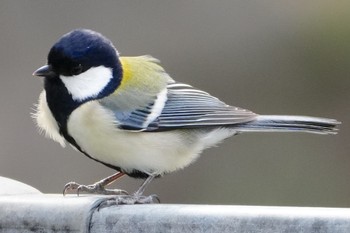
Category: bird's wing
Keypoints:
(187, 107)
(149, 100)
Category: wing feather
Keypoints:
(184, 107)
(149, 100)
(190, 107)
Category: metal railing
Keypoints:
(37, 212)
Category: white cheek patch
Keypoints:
(88, 84)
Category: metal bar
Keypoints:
(38, 212)
(216, 218)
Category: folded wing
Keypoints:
(182, 106)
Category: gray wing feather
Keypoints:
(185, 107)
(188, 107)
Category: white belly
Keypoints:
(94, 129)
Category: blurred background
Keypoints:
(272, 57)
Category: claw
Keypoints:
(122, 197)
(133, 199)
(70, 186)
(136, 198)
(96, 188)
(129, 200)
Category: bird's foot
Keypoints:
(97, 188)
(136, 198)
(129, 200)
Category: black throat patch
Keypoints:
(60, 102)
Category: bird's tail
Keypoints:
(277, 123)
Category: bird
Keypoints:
(127, 113)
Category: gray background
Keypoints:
(272, 57)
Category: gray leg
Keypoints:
(135, 198)
(98, 187)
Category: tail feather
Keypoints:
(277, 123)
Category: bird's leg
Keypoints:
(143, 186)
(135, 198)
(98, 187)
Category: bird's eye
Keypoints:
(78, 69)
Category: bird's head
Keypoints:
(86, 62)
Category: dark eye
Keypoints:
(78, 69)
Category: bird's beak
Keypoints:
(44, 71)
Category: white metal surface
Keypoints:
(38, 212)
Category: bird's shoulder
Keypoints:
(142, 80)
(143, 73)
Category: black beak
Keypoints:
(44, 71)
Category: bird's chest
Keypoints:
(96, 132)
